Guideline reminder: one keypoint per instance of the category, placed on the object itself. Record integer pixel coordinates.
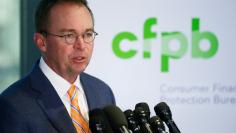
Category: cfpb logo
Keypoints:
(167, 54)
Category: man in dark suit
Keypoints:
(40, 102)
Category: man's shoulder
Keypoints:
(91, 78)
(17, 88)
(92, 82)
(98, 90)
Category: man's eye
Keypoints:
(88, 34)
(70, 35)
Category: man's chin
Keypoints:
(78, 70)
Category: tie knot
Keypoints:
(72, 91)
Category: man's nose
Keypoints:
(80, 44)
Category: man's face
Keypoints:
(68, 59)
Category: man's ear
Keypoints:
(40, 42)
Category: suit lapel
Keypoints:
(50, 102)
(90, 92)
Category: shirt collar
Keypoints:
(59, 83)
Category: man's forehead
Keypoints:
(74, 30)
(67, 19)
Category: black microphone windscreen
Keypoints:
(115, 116)
(156, 124)
(145, 107)
(98, 119)
(129, 113)
(143, 118)
(132, 122)
(140, 114)
(163, 111)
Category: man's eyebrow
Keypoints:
(90, 29)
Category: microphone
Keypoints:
(163, 111)
(142, 118)
(117, 119)
(145, 108)
(157, 125)
(132, 123)
(98, 122)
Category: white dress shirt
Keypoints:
(62, 86)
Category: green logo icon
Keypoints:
(167, 53)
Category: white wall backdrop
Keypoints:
(201, 92)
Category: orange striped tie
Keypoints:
(79, 122)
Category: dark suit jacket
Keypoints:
(31, 105)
